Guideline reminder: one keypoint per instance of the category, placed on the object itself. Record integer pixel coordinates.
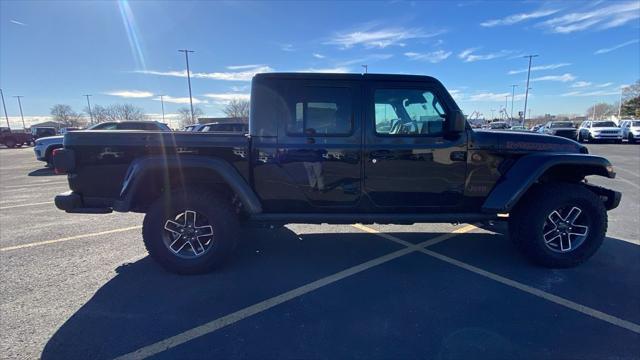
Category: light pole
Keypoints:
(506, 98)
(619, 104)
(526, 95)
(513, 95)
(6, 116)
(186, 56)
(162, 104)
(21, 115)
(89, 105)
(366, 68)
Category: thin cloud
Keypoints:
(516, 18)
(380, 38)
(539, 68)
(580, 84)
(592, 93)
(490, 96)
(179, 100)
(244, 67)
(607, 84)
(469, 55)
(456, 94)
(432, 57)
(562, 78)
(17, 22)
(245, 75)
(135, 94)
(318, 56)
(336, 70)
(223, 98)
(287, 47)
(601, 18)
(616, 47)
(365, 60)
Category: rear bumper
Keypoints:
(72, 202)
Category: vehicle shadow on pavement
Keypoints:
(44, 172)
(144, 304)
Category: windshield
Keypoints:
(605, 124)
(563, 124)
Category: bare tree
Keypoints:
(100, 113)
(238, 108)
(631, 100)
(64, 114)
(185, 115)
(126, 112)
(601, 111)
(116, 112)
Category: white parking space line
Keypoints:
(48, 242)
(23, 205)
(522, 287)
(44, 185)
(626, 171)
(628, 182)
(249, 311)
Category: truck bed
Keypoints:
(102, 158)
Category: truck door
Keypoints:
(411, 162)
(320, 144)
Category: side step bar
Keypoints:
(363, 218)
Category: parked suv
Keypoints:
(560, 128)
(226, 127)
(593, 131)
(340, 149)
(630, 130)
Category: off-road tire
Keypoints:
(526, 223)
(216, 209)
(10, 143)
(579, 138)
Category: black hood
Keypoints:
(512, 141)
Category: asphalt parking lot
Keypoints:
(79, 286)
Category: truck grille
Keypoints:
(609, 132)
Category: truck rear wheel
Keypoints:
(10, 143)
(190, 232)
(558, 225)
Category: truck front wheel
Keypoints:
(190, 232)
(558, 225)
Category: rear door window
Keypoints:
(321, 111)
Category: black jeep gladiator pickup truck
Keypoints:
(340, 149)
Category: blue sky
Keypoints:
(54, 52)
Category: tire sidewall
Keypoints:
(530, 237)
(167, 208)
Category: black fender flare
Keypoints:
(133, 178)
(528, 169)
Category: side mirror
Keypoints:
(457, 123)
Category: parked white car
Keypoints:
(594, 131)
(630, 130)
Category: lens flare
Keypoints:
(129, 22)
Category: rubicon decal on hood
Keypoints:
(537, 146)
